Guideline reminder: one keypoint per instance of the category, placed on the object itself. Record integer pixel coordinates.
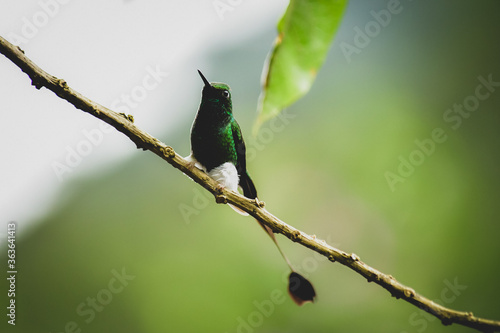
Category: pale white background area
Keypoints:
(107, 51)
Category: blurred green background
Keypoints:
(321, 169)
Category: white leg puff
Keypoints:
(227, 175)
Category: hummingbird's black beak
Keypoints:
(207, 84)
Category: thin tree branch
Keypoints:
(143, 140)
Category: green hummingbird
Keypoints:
(217, 147)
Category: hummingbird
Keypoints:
(218, 148)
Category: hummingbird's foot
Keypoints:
(219, 188)
(192, 163)
(222, 199)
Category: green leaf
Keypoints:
(304, 36)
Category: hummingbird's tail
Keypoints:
(300, 289)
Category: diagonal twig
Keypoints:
(143, 140)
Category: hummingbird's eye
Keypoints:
(225, 93)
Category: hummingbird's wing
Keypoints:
(246, 182)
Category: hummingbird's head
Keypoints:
(216, 93)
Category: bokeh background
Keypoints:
(189, 265)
